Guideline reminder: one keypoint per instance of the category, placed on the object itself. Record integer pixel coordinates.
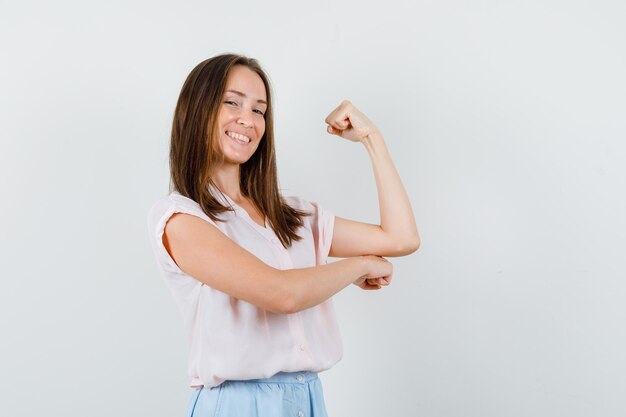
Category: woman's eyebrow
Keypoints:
(239, 93)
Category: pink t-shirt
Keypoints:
(232, 339)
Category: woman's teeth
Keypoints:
(239, 137)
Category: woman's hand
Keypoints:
(349, 123)
(374, 283)
(379, 273)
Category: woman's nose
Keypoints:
(244, 122)
(245, 118)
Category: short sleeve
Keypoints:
(158, 216)
(323, 223)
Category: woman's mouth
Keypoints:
(237, 138)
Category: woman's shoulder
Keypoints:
(297, 202)
(177, 198)
(301, 203)
(173, 198)
(173, 201)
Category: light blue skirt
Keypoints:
(286, 394)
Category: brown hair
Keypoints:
(194, 148)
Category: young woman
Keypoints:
(247, 265)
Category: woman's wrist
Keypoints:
(356, 266)
(363, 262)
(374, 142)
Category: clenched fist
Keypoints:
(349, 123)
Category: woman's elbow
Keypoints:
(289, 306)
(296, 301)
(294, 304)
(408, 247)
(277, 295)
(287, 298)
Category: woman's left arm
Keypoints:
(397, 233)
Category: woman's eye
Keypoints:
(234, 103)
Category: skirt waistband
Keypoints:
(299, 377)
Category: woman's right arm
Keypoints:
(205, 253)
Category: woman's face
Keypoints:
(241, 121)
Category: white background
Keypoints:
(505, 119)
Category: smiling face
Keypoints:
(241, 121)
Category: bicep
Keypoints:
(354, 238)
(202, 251)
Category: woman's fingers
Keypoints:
(371, 287)
(378, 281)
(384, 280)
(348, 122)
(339, 118)
(375, 283)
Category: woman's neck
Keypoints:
(227, 180)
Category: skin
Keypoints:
(205, 253)
(242, 115)
(397, 234)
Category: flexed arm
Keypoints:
(205, 253)
(397, 233)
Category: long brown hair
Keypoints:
(194, 148)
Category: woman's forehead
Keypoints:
(247, 82)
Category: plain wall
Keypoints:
(505, 119)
